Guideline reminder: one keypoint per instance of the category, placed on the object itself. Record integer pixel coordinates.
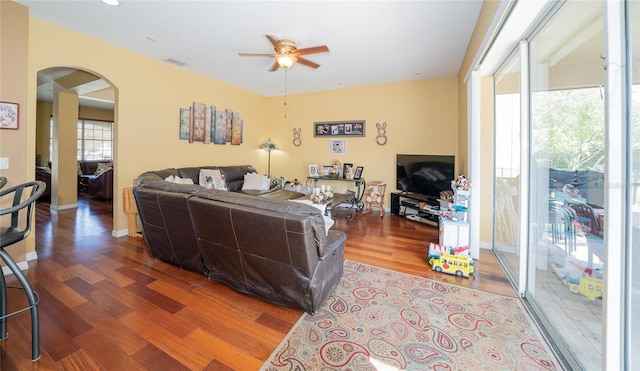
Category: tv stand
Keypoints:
(417, 207)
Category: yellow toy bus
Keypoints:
(453, 264)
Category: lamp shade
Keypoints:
(285, 60)
(269, 146)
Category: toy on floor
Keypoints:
(461, 266)
(590, 287)
(435, 250)
(451, 260)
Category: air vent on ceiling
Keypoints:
(176, 62)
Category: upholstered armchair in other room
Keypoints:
(102, 185)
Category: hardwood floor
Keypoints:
(106, 303)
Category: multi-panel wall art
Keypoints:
(203, 124)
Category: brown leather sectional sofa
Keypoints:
(257, 242)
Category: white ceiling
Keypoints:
(370, 42)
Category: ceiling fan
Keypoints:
(287, 53)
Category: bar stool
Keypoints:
(9, 236)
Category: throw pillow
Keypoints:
(177, 180)
(212, 179)
(185, 180)
(102, 167)
(255, 182)
(79, 169)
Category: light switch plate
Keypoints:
(4, 163)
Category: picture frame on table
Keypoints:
(358, 173)
(326, 171)
(346, 168)
(9, 115)
(314, 170)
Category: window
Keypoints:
(95, 140)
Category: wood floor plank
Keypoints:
(223, 352)
(152, 358)
(79, 361)
(181, 349)
(154, 297)
(105, 352)
(172, 323)
(89, 275)
(111, 329)
(237, 334)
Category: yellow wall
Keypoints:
(421, 118)
(14, 28)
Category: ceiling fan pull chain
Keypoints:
(285, 93)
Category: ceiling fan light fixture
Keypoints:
(286, 60)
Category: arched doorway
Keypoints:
(75, 126)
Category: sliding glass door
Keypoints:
(567, 178)
(507, 164)
(634, 175)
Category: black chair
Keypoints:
(3, 181)
(13, 234)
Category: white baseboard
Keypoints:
(486, 245)
(120, 233)
(22, 265)
(32, 256)
(63, 207)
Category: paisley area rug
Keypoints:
(378, 319)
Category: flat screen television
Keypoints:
(424, 174)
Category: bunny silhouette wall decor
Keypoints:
(381, 139)
(296, 137)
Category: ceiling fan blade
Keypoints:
(313, 50)
(273, 40)
(274, 67)
(256, 55)
(308, 63)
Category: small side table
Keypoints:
(132, 213)
(83, 182)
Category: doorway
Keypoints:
(75, 144)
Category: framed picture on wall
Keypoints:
(9, 115)
(337, 147)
